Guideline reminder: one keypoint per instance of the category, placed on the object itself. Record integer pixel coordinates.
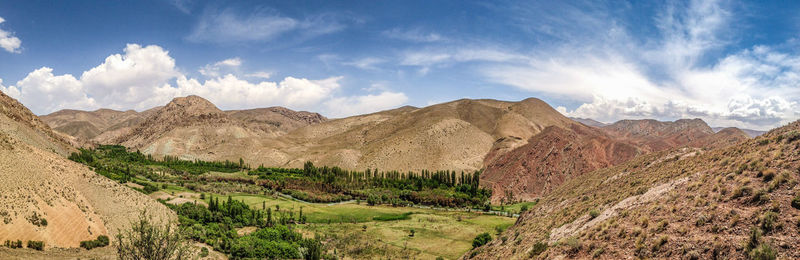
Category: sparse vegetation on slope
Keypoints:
(733, 202)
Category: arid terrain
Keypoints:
(49, 198)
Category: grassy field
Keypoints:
(353, 231)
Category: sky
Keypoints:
(729, 63)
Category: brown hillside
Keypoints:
(20, 123)
(684, 203)
(457, 135)
(659, 135)
(550, 158)
(38, 183)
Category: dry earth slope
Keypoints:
(686, 203)
(39, 183)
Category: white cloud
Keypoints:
(413, 35)
(348, 106)
(259, 74)
(444, 57)
(7, 40)
(144, 77)
(213, 70)
(368, 63)
(668, 77)
(232, 92)
(42, 91)
(228, 26)
(128, 80)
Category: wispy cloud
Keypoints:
(413, 35)
(263, 25)
(617, 75)
(8, 41)
(368, 63)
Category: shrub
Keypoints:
(523, 209)
(594, 213)
(146, 240)
(13, 244)
(763, 252)
(103, 240)
(769, 221)
(38, 245)
(741, 191)
(753, 239)
(573, 245)
(796, 202)
(481, 240)
(203, 252)
(537, 249)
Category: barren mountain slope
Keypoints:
(659, 135)
(455, 135)
(683, 203)
(89, 124)
(278, 120)
(550, 158)
(38, 184)
(21, 124)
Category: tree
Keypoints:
(147, 240)
(481, 239)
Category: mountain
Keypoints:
(456, 135)
(749, 132)
(588, 121)
(95, 125)
(731, 203)
(552, 157)
(558, 154)
(658, 135)
(39, 183)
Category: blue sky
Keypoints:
(729, 63)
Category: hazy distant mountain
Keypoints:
(749, 132)
(588, 121)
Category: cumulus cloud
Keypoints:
(348, 106)
(144, 77)
(616, 75)
(41, 91)
(7, 40)
(230, 26)
(232, 92)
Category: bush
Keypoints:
(769, 221)
(481, 240)
(38, 245)
(523, 209)
(146, 240)
(537, 249)
(13, 244)
(763, 252)
(103, 239)
(796, 202)
(594, 213)
(203, 252)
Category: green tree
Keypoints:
(481, 239)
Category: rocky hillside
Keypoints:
(736, 202)
(658, 135)
(95, 126)
(552, 157)
(49, 198)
